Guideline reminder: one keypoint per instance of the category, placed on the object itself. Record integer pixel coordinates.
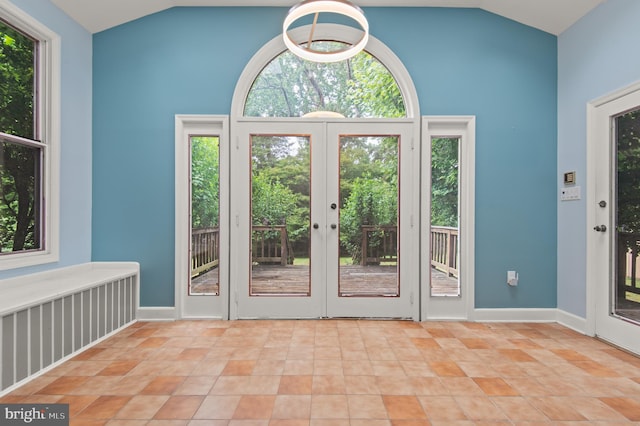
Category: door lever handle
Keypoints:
(600, 228)
(316, 226)
(334, 226)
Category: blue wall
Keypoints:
(596, 56)
(75, 137)
(462, 61)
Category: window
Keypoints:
(359, 87)
(28, 145)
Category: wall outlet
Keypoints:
(512, 278)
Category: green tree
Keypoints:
(371, 202)
(19, 164)
(444, 182)
(205, 181)
(272, 202)
(358, 87)
(628, 170)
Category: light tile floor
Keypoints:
(343, 372)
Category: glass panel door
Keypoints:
(278, 190)
(324, 221)
(369, 216)
(613, 240)
(626, 288)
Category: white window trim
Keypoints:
(462, 307)
(49, 122)
(206, 307)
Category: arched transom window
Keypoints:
(359, 87)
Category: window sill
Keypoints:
(13, 261)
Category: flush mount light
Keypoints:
(315, 7)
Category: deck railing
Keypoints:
(444, 249)
(629, 262)
(204, 250)
(379, 244)
(271, 245)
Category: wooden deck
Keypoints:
(355, 280)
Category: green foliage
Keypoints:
(368, 189)
(628, 169)
(281, 187)
(272, 203)
(373, 91)
(205, 181)
(444, 182)
(358, 87)
(19, 165)
(373, 201)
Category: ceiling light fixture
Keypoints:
(340, 7)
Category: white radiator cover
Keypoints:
(49, 316)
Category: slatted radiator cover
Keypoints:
(49, 316)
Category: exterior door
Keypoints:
(614, 241)
(322, 220)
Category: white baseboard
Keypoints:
(572, 321)
(157, 313)
(516, 315)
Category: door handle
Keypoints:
(600, 228)
(316, 226)
(334, 226)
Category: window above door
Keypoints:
(359, 87)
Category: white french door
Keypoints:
(323, 220)
(613, 241)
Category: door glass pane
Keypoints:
(205, 215)
(444, 216)
(368, 252)
(280, 215)
(627, 217)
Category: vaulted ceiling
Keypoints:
(552, 16)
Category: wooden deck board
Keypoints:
(355, 280)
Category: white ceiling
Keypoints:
(553, 16)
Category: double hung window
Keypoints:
(28, 145)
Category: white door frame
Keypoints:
(443, 307)
(201, 306)
(599, 244)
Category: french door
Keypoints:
(323, 220)
(614, 234)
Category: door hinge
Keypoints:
(411, 298)
(235, 297)
(237, 142)
(237, 220)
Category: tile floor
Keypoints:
(343, 372)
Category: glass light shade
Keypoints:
(308, 7)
